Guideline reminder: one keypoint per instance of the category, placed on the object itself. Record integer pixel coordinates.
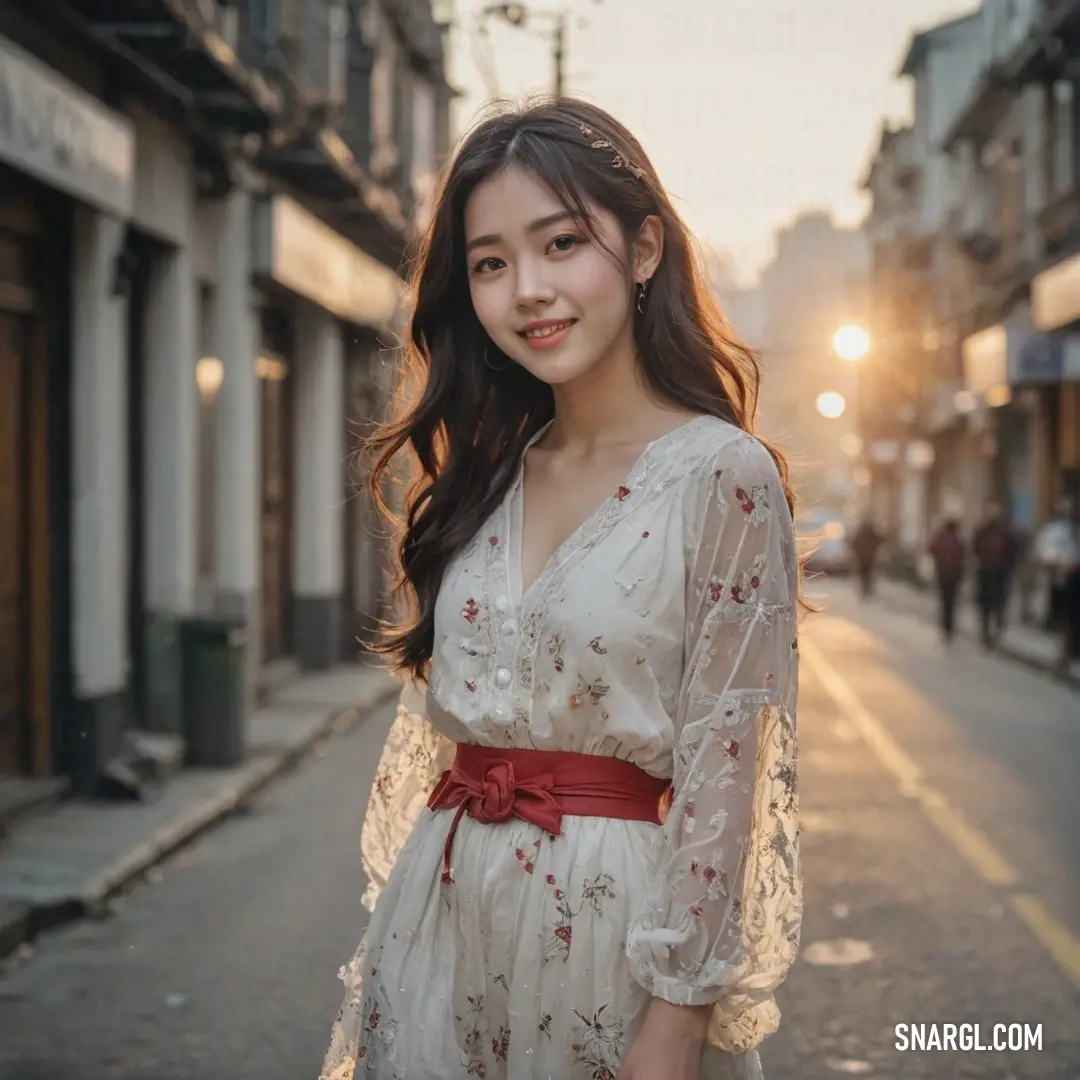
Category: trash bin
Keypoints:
(213, 651)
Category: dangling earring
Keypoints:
(641, 285)
(490, 366)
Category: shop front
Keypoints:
(1055, 299)
(66, 167)
(1014, 374)
(330, 302)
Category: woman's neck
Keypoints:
(610, 404)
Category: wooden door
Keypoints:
(14, 599)
(276, 538)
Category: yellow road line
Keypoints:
(970, 842)
(1064, 948)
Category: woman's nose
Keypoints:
(533, 287)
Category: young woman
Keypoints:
(582, 835)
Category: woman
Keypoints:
(605, 880)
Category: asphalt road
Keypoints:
(941, 839)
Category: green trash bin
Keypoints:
(213, 650)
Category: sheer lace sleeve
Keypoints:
(721, 923)
(413, 758)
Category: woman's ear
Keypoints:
(648, 248)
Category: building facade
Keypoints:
(974, 226)
(911, 444)
(204, 211)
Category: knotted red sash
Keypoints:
(540, 786)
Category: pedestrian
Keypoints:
(864, 546)
(947, 551)
(1068, 572)
(604, 586)
(995, 549)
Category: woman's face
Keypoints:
(548, 294)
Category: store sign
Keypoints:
(1038, 358)
(60, 135)
(986, 360)
(305, 255)
(1055, 295)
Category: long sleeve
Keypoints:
(413, 758)
(721, 921)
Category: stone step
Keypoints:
(22, 796)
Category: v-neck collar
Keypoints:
(516, 513)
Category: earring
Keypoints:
(490, 366)
(641, 287)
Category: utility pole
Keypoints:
(521, 14)
(560, 53)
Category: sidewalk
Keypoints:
(1026, 644)
(67, 862)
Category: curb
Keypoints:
(14, 928)
(1066, 677)
(21, 923)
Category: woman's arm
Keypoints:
(414, 756)
(720, 927)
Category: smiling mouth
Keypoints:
(547, 331)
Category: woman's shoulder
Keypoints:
(719, 447)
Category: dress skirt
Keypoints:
(517, 970)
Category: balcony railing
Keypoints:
(1058, 220)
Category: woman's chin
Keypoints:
(556, 370)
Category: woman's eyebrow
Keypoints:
(533, 226)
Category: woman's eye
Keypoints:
(565, 242)
(485, 266)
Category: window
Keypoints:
(382, 92)
(260, 29)
(1062, 138)
(422, 164)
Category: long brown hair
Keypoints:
(468, 420)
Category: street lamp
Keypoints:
(851, 445)
(851, 342)
(514, 14)
(831, 405)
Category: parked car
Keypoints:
(827, 541)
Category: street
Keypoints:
(942, 863)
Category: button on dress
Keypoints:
(662, 632)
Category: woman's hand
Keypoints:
(669, 1045)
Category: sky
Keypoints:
(752, 110)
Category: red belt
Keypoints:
(540, 786)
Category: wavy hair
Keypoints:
(464, 422)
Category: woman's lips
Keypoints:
(549, 336)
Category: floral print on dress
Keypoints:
(595, 893)
(555, 645)
(472, 1026)
(754, 503)
(528, 858)
(588, 691)
(598, 1043)
(379, 1030)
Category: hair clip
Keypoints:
(621, 160)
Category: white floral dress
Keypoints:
(662, 632)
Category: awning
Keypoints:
(987, 107)
(323, 166)
(1054, 42)
(177, 41)
(305, 255)
(56, 132)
